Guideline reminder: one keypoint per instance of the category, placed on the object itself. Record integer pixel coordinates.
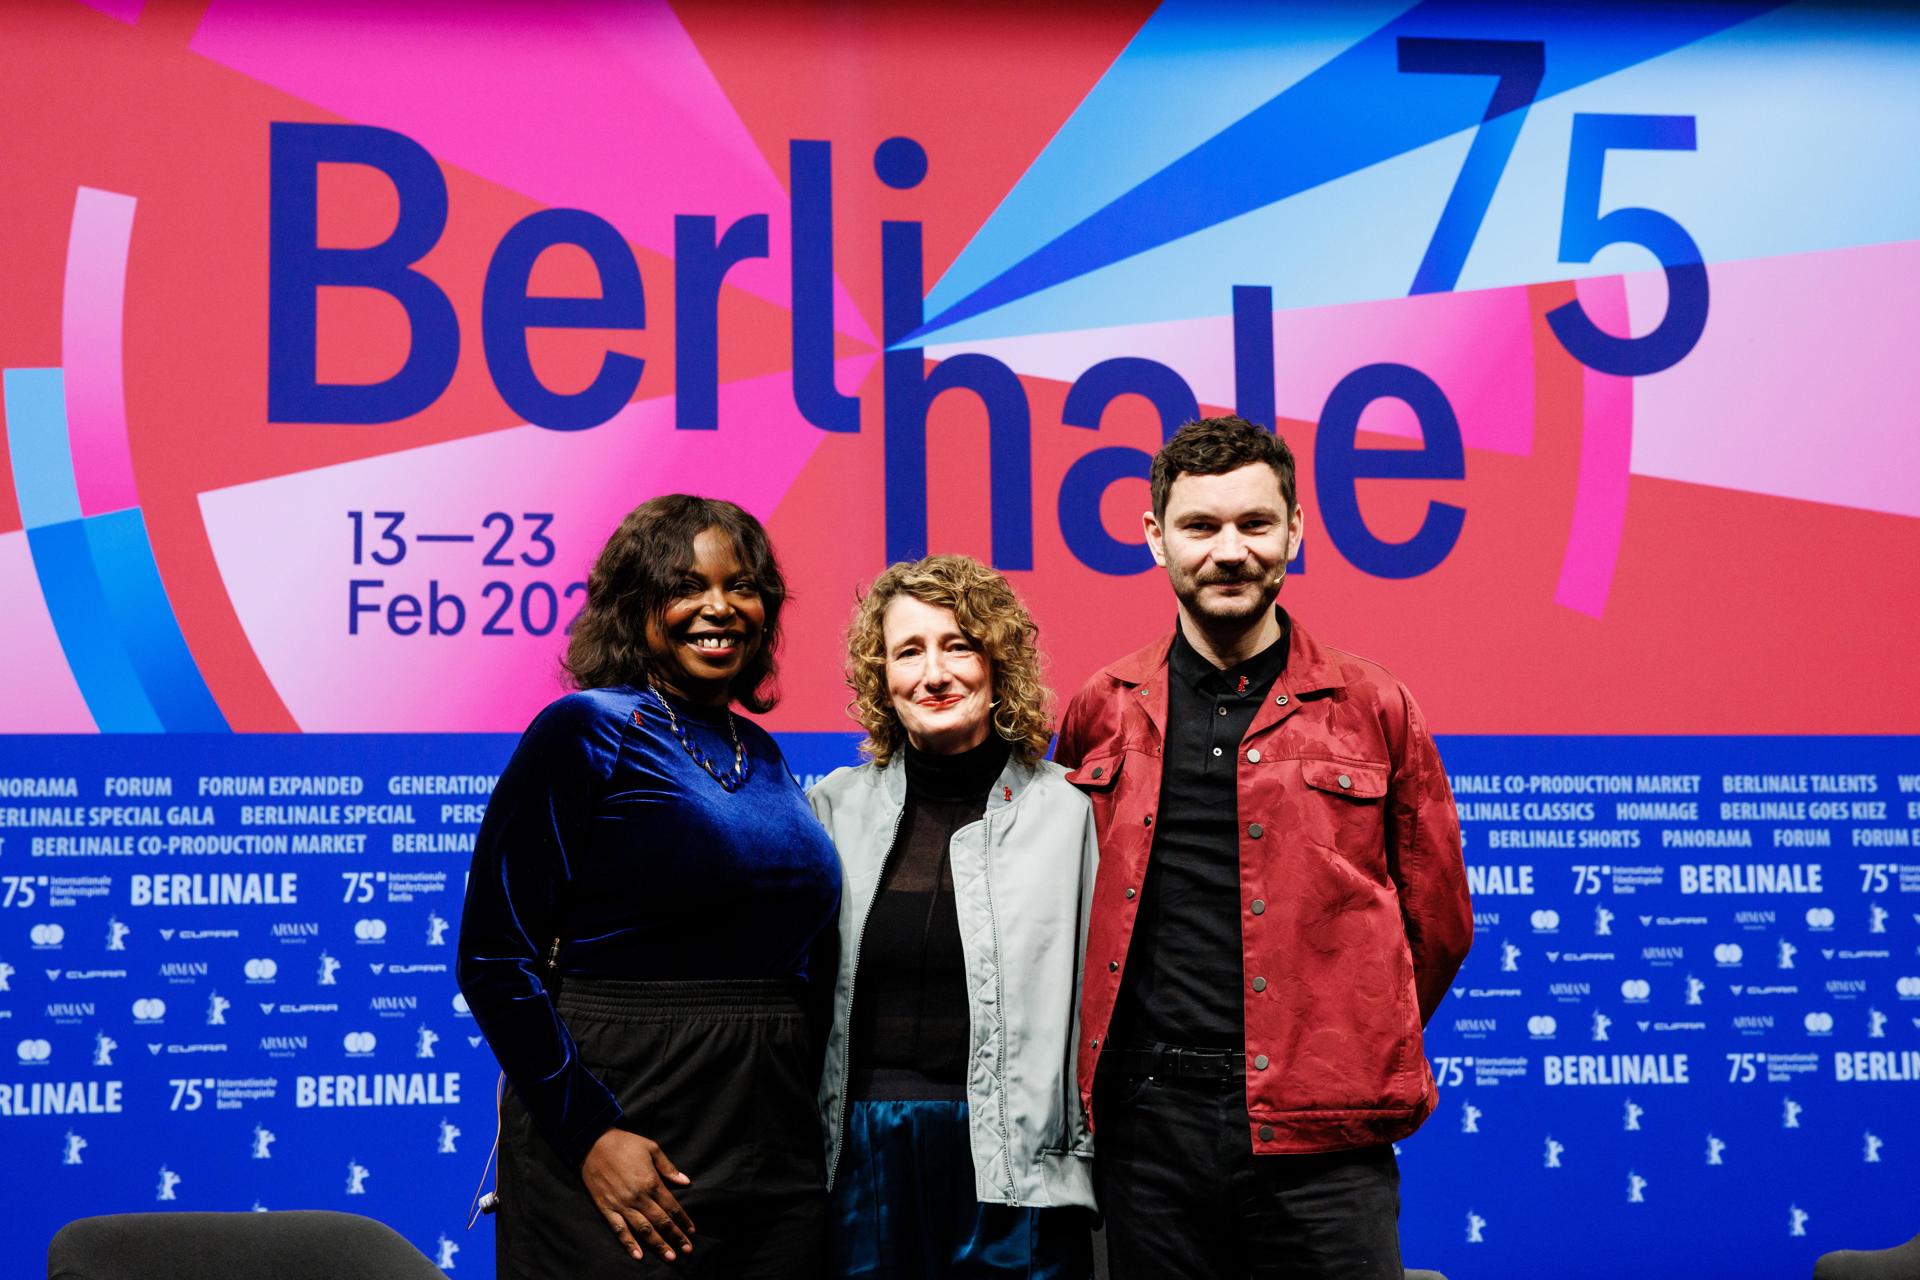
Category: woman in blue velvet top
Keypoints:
(648, 925)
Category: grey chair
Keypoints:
(287, 1245)
(1902, 1262)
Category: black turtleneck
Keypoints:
(909, 1020)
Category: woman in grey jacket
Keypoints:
(955, 1136)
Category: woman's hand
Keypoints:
(627, 1176)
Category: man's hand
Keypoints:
(627, 1176)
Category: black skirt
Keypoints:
(721, 1075)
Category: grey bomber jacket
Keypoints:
(1023, 887)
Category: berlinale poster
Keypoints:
(337, 337)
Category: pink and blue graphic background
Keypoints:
(1726, 546)
(175, 560)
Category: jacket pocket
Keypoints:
(1348, 781)
(1343, 809)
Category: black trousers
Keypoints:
(1183, 1194)
(721, 1075)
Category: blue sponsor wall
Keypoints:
(1683, 1039)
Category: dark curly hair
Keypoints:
(1213, 447)
(989, 614)
(635, 578)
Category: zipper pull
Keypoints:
(553, 957)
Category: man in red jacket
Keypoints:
(1280, 905)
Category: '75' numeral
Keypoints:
(1520, 66)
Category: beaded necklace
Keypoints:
(734, 778)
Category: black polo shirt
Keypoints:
(1183, 976)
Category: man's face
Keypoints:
(1225, 541)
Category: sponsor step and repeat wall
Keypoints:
(335, 342)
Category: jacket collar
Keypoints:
(1310, 668)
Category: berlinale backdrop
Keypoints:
(338, 336)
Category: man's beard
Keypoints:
(1188, 589)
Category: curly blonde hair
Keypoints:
(989, 614)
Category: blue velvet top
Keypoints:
(604, 834)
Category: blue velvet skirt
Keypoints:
(903, 1206)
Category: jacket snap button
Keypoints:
(1253, 756)
(1255, 830)
(1266, 1133)
(1095, 1044)
(1260, 1064)
(1131, 892)
(1259, 906)
(1098, 770)
(1148, 820)
(1113, 966)
(1259, 984)
(1345, 781)
(1280, 700)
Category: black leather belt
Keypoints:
(1175, 1062)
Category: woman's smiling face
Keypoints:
(940, 683)
(712, 626)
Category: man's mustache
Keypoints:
(1219, 577)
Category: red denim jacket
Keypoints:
(1354, 909)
